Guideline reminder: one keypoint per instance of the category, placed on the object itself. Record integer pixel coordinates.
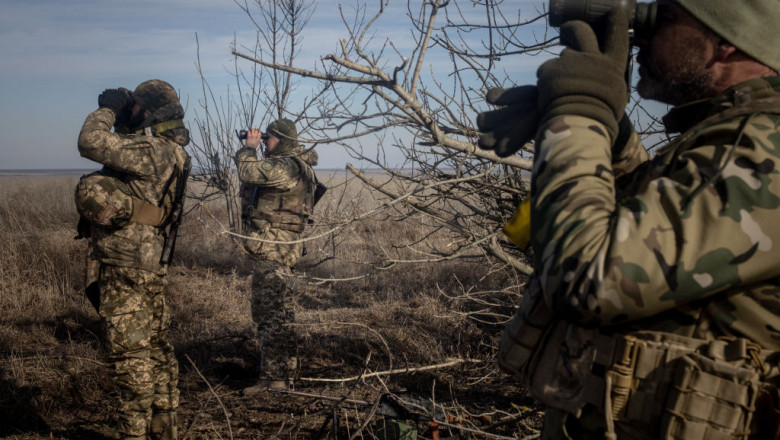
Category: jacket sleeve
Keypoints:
(630, 156)
(276, 172)
(693, 225)
(130, 154)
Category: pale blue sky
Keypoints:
(56, 56)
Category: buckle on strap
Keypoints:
(619, 378)
(730, 348)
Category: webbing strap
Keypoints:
(695, 406)
(682, 429)
(727, 390)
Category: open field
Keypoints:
(363, 321)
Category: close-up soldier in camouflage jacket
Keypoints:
(653, 311)
(278, 196)
(130, 210)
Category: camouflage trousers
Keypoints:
(136, 321)
(272, 309)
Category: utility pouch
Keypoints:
(559, 370)
(710, 398)
(525, 331)
(696, 388)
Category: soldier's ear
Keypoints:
(724, 50)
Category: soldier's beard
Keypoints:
(680, 79)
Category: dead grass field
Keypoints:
(54, 383)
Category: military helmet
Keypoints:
(104, 201)
(750, 25)
(155, 94)
(284, 130)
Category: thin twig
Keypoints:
(389, 372)
(224, 410)
(368, 418)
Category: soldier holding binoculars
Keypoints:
(654, 309)
(278, 194)
(129, 211)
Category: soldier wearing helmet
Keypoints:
(654, 310)
(127, 210)
(278, 198)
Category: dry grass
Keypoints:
(53, 383)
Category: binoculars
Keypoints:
(242, 134)
(641, 16)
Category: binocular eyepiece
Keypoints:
(641, 16)
(242, 134)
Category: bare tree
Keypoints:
(261, 94)
(406, 104)
(391, 110)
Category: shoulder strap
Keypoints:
(161, 214)
(160, 127)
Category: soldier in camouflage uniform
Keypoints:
(654, 310)
(143, 158)
(277, 199)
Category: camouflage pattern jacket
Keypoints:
(683, 243)
(278, 174)
(146, 165)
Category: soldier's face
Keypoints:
(674, 63)
(270, 143)
(136, 116)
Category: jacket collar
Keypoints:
(684, 116)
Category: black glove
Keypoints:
(585, 79)
(507, 129)
(116, 99)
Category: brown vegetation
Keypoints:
(366, 319)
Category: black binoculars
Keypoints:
(641, 16)
(242, 134)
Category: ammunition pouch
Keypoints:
(695, 388)
(646, 385)
(288, 221)
(653, 385)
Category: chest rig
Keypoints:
(287, 209)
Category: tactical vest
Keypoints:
(285, 209)
(654, 385)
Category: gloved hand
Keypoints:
(116, 99)
(585, 79)
(507, 129)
